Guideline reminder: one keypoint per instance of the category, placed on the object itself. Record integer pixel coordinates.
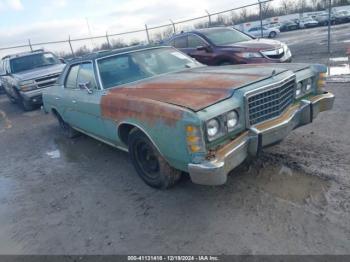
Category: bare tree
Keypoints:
(286, 6)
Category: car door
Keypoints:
(199, 49)
(64, 100)
(254, 32)
(86, 102)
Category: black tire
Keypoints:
(26, 106)
(153, 169)
(66, 129)
(12, 100)
(223, 63)
(272, 34)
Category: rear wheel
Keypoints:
(148, 162)
(223, 63)
(66, 129)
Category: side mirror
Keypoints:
(62, 60)
(85, 86)
(204, 48)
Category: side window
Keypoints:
(181, 42)
(172, 42)
(87, 75)
(71, 80)
(195, 41)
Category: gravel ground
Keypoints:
(60, 196)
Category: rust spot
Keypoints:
(222, 151)
(120, 107)
(193, 91)
(159, 98)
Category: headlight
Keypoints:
(28, 85)
(308, 85)
(299, 90)
(303, 88)
(232, 120)
(249, 55)
(213, 128)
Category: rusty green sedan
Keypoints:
(174, 115)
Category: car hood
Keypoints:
(194, 89)
(258, 44)
(40, 72)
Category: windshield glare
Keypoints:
(29, 62)
(134, 66)
(226, 36)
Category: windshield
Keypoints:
(29, 62)
(134, 66)
(226, 36)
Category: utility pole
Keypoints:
(89, 30)
(261, 18)
(209, 17)
(329, 25)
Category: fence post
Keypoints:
(329, 25)
(261, 18)
(30, 45)
(148, 40)
(71, 48)
(209, 17)
(174, 28)
(108, 43)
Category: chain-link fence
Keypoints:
(148, 34)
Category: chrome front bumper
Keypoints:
(215, 171)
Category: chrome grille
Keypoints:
(47, 81)
(270, 102)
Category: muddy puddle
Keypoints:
(288, 184)
(78, 149)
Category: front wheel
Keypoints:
(272, 35)
(25, 105)
(149, 164)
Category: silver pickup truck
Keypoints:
(25, 75)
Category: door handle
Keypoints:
(57, 98)
(74, 101)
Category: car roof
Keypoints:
(201, 31)
(105, 53)
(23, 54)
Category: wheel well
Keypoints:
(56, 114)
(124, 131)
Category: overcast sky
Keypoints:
(48, 20)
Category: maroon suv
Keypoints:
(222, 46)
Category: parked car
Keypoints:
(173, 114)
(307, 22)
(26, 75)
(222, 46)
(288, 26)
(342, 17)
(275, 25)
(267, 32)
(323, 19)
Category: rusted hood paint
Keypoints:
(194, 89)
